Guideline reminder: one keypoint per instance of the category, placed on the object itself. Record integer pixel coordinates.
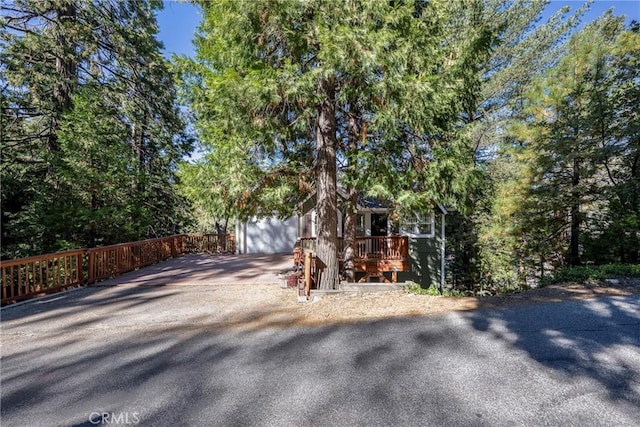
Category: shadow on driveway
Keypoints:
(577, 340)
(566, 363)
(151, 284)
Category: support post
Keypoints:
(307, 274)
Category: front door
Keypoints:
(379, 224)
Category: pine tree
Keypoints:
(581, 148)
(495, 82)
(91, 132)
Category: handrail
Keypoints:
(211, 243)
(27, 277)
(369, 247)
(109, 261)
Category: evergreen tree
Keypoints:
(293, 89)
(91, 133)
(582, 151)
(521, 48)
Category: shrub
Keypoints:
(592, 273)
(433, 290)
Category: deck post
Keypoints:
(307, 274)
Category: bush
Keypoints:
(592, 273)
(433, 290)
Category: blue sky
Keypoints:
(179, 20)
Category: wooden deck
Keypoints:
(374, 256)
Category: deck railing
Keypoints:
(26, 277)
(211, 243)
(369, 248)
(23, 278)
(109, 261)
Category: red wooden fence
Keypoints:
(211, 243)
(28, 277)
(110, 261)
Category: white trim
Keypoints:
(367, 223)
(415, 233)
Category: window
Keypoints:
(419, 225)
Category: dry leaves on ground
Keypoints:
(279, 307)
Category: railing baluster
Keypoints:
(67, 270)
(31, 276)
(4, 283)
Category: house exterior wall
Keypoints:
(307, 224)
(426, 258)
(266, 236)
(273, 235)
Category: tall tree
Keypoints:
(91, 132)
(578, 149)
(284, 80)
(521, 48)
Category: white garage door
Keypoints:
(266, 236)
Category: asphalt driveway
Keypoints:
(202, 269)
(143, 354)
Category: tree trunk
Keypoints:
(350, 217)
(574, 245)
(351, 207)
(66, 68)
(326, 205)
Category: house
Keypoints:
(410, 251)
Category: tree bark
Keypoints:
(574, 245)
(350, 216)
(327, 266)
(351, 206)
(66, 68)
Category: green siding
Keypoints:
(425, 254)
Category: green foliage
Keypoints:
(254, 89)
(579, 151)
(433, 290)
(563, 169)
(483, 242)
(592, 273)
(287, 92)
(91, 134)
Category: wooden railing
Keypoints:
(305, 262)
(211, 243)
(369, 248)
(383, 248)
(23, 278)
(376, 255)
(27, 277)
(109, 261)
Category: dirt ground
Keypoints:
(242, 292)
(283, 307)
